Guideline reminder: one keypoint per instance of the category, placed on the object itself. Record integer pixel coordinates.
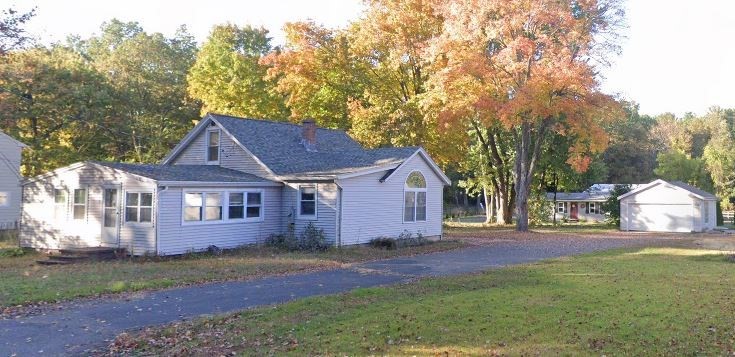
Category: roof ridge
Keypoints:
(270, 121)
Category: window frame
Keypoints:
(225, 198)
(74, 204)
(5, 203)
(64, 207)
(562, 205)
(707, 212)
(593, 208)
(416, 191)
(138, 208)
(207, 145)
(309, 217)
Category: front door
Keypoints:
(110, 216)
(573, 210)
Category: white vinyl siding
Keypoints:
(327, 206)
(40, 229)
(9, 182)
(231, 156)
(177, 237)
(372, 209)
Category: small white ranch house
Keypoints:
(662, 206)
(234, 181)
(10, 181)
(581, 206)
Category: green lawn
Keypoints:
(22, 281)
(653, 301)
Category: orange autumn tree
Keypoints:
(518, 71)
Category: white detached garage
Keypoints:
(662, 206)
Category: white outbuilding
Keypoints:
(662, 206)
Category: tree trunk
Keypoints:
(528, 149)
(489, 204)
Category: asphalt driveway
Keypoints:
(79, 327)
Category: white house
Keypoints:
(234, 181)
(581, 206)
(662, 206)
(10, 179)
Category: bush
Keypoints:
(311, 239)
(612, 206)
(13, 252)
(384, 243)
(405, 239)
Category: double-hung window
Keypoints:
(254, 205)
(60, 206)
(236, 209)
(414, 198)
(594, 208)
(307, 202)
(245, 205)
(79, 208)
(139, 207)
(4, 199)
(213, 142)
(561, 207)
(202, 206)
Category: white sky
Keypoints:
(679, 56)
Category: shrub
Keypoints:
(405, 239)
(13, 252)
(612, 205)
(384, 243)
(286, 241)
(312, 239)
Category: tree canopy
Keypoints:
(505, 95)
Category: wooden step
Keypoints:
(71, 258)
(52, 261)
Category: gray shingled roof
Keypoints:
(278, 146)
(694, 190)
(188, 173)
(596, 192)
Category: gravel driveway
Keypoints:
(78, 327)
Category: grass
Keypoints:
(25, 282)
(653, 301)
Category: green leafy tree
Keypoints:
(611, 207)
(151, 110)
(317, 74)
(631, 155)
(228, 78)
(677, 166)
(56, 103)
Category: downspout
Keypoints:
(159, 189)
(338, 232)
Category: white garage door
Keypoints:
(660, 218)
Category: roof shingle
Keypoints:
(185, 173)
(278, 145)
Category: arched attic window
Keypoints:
(414, 198)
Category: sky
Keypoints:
(676, 57)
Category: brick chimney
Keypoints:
(308, 134)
